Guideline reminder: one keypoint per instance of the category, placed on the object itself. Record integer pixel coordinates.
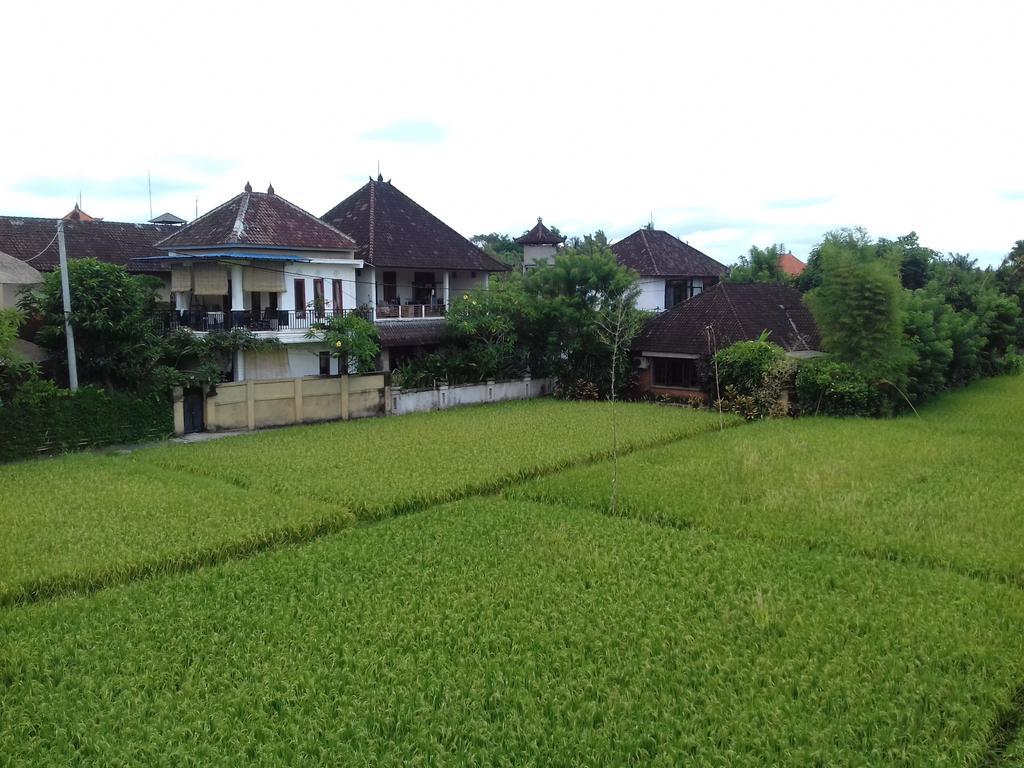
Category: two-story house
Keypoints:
(415, 266)
(262, 263)
(670, 270)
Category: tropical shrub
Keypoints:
(833, 388)
(45, 419)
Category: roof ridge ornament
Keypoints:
(270, 189)
(248, 187)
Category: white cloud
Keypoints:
(894, 116)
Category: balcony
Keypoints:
(409, 311)
(203, 320)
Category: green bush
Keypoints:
(45, 420)
(744, 365)
(831, 388)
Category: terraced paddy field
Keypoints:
(525, 625)
(85, 521)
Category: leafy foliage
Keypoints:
(831, 388)
(118, 344)
(45, 419)
(14, 369)
(753, 377)
(760, 265)
(502, 247)
(858, 307)
(548, 322)
(351, 339)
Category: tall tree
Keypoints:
(858, 306)
(117, 341)
(760, 265)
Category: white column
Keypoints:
(446, 304)
(239, 365)
(237, 295)
(181, 299)
(373, 294)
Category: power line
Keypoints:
(45, 249)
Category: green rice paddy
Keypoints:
(820, 592)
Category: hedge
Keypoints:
(84, 419)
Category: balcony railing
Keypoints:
(409, 311)
(278, 320)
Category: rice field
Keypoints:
(942, 490)
(85, 521)
(375, 467)
(497, 633)
(819, 592)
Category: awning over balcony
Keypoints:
(408, 333)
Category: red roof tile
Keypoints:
(393, 230)
(115, 242)
(259, 220)
(736, 312)
(791, 265)
(654, 253)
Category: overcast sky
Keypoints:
(729, 123)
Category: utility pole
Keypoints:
(65, 289)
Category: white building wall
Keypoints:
(652, 294)
(533, 254)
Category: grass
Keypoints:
(86, 521)
(498, 633)
(943, 490)
(376, 467)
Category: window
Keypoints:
(422, 287)
(680, 290)
(390, 287)
(337, 296)
(300, 297)
(325, 363)
(255, 303)
(674, 372)
(318, 296)
(272, 297)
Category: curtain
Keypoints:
(263, 278)
(181, 279)
(210, 279)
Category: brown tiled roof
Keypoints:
(791, 265)
(540, 235)
(402, 333)
(736, 312)
(654, 253)
(261, 220)
(115, 242)
(393, 230)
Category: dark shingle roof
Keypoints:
(260, 220)
(652, 252)
(737, 313)
(393, 230)
(115, 242)
(540, 235)
(403, 333)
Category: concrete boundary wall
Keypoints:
(258, 403)
(438, 398)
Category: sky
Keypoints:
(728, 124)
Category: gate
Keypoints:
(193, 403)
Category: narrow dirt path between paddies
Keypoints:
(177, 508)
